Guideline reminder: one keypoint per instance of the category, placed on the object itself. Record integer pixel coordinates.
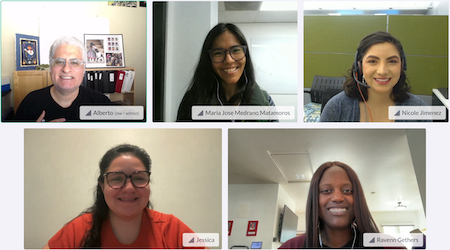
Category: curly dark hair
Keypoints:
(400, 92)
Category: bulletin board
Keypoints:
(50, 30)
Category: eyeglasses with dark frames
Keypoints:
(116, 180)
(236, 52)
(61, 62)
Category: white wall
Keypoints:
(23, 17)
(417, 218)
(280, 31)
(61, 168)
(440, 9)
(188, 23)
(262, 202)
(301, 226)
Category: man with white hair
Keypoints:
(61, 101)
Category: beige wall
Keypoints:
(23, 18)
(61, 168)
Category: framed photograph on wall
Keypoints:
(252, 228)
(104, 51)
(27, 52)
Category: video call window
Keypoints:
(343, 82)
(90, 69)
(249, 67)
(282, 177)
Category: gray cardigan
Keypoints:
(342, 108)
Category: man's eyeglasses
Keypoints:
(61, 62)
(236, 52)
(139, 179)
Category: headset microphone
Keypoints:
(355, 76)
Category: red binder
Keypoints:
(120, 75)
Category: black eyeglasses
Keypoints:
(236, 52)
(139, 179)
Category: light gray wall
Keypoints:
(284, 85)
(188, 23)
(283, 198)
(61, 168)
(419, 155)
(261, 200)
(440, 9)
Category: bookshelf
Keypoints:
(128, 97)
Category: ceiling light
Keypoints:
(400, 206)
(367, 5)
(299, 176)
(278, 6)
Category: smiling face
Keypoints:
(128, 201)
(336, 199)
(382, 67)
(66, 78)
(230, 70)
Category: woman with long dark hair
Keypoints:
(121, 216)
(376, 80)
(224, 74)
(337, 214)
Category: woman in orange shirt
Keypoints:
(121, 216)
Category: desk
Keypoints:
(439, 98)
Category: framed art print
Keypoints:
(27, 52)
(252, 228)
(104, 51)
(230, 226)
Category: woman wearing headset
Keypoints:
(376, 81)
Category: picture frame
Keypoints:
(104, 51)
(252, 228)
(230, 226)
(27, 52)
(132, 4)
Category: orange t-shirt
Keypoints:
(158, 230)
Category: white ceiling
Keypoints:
(244, 12)
(381, 158)
(248, 12)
